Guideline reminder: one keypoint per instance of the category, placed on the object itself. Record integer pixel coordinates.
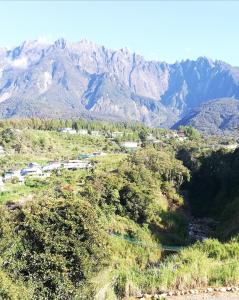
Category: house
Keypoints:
(9, 175)
(129, 145)
(170, 135)
(68, 130)
(84, 156)
(33, 165)
(95, 133)
(181, 134)
(83, 131)
(76, 164)
(33, 169)
(156, 141)
(99, 153)
(116, 134)
(51, 166)
(150, 139)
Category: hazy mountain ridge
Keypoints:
(64, 79)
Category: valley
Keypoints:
(119, 166)
(154, 212)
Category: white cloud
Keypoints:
(44, 39)
(21, 63)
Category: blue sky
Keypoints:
(160, 30)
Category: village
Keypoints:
(126, 142)
(82, 161)
(35, 170)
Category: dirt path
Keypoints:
(211, 296)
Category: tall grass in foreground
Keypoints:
(205, 264)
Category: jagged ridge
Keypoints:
(63, 79)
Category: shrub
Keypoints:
(55, 244)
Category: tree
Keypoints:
(190, 132)
(55, 244)
(136, 204)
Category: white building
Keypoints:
(33, 165)
(51, 166)
(171, 134)
(129, 145)
(9, 175)
(76, 164)
(152, 139)
(31, 171)
(116, 134)
(68, 130)
(95, 133)
(83, 131)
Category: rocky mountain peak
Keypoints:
(84, 78)
(60, 43)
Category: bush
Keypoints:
(15, 180)
(10, 290)
(54, 244)
(136, 204)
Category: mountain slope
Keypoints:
(214, 117)
(63, 79)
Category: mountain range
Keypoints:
(83, 79)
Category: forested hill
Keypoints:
(83, 79)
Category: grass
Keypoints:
(194, 267)
(109, 162)
(14, 192)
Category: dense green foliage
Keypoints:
(54, 245)
(134, 131)
(190, 132)
(214, 190)
(125, 189)
(98, 233)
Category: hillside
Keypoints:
(83, 79)
(95, 210)
(214, 117)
